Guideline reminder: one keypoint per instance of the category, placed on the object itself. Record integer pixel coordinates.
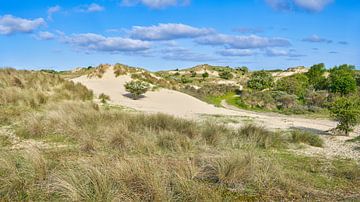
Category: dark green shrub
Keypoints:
(346, 110)
(226, 75)
(316, 76)
(295, 84)
(342, 79)
(261, 80)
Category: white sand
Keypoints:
(182, 105)
(163, 100)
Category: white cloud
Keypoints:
(94, 42)
(168, 32)
(156, 4)
(316, 39)
(236, 52)
(243, 42)
(10, 24)
(271, 52)
(90, 8)
(312, 5)
(45, 36)
(308, 5)
(52, 10)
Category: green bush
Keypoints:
(316, 76)
(104, 98)
(136, 88)
(261, 80)
(226, 75)
(342, 79)
(295, 84)
(346, 110)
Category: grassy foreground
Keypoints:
(106, 154)
(84, 152)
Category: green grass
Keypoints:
(306, 137)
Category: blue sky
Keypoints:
(168, 34)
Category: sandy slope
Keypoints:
(183, 105)
(163, 100)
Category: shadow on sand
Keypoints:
(129, 95)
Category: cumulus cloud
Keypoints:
(10, 24)
(94, 42)
(236, 52)
(308, 5)
(52, 10)
(243, 42)
(91, 8)
(168, 32)
(45, 36)
(272, 52)
(156, 4)
(316, 39)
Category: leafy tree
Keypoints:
(205, 75)
(346, 110)
(342, 80)
(226, 75)
(136, 88)
(295, 84)
(261, 80)
(316, 76)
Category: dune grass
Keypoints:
(108, 154)
(136, 157)
(22, 91)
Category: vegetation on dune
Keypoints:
(22, 91)
(136, 88)
(159, 157)
(260, 80)
(104, 98)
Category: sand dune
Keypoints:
(182, 105)
(163, 100)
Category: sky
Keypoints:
(169, 34)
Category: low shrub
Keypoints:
(300, 136)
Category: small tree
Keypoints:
(136, 88)
(316, 76)
(347, 112)
(205, 75)
(193, 73)
(261, 80)
(104, 98)
(342, 80)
